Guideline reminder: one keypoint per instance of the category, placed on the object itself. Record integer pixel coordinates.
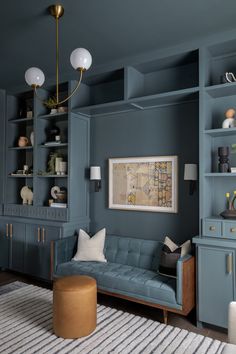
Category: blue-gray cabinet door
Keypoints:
(17, 245)
(37, 255)
(216, 273)
(4, 245)
(48, 234)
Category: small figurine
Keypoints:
(223, 164)
(229, 122)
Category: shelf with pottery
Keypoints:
(56, 133)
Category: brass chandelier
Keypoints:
(80, 59)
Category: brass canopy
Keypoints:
(56, 11)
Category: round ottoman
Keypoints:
(74, 306)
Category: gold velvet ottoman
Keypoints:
(74, 306)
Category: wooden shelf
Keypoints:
(218, 174)
(21, 120)
(221, 132)
(20, 147)
(222, 90)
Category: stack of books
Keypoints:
(58, 205)
(233, 169)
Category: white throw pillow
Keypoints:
(91, 248)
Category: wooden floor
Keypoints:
(187, 323)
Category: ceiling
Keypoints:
(109, 29)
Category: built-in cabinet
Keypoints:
(26, 230)
(25, 245)
(216, 281)
(216, 244)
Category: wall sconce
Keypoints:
(190, 174)
(95, 175)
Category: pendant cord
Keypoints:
(57, 62)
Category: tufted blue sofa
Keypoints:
(131, 272)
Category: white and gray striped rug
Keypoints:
(26, 327)
(11, 286)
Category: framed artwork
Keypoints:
(143, 183)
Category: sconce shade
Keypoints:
(95, 173)
(34, 76)
(190, 172)
(80, 58)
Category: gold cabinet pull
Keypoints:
(212, 228)
(38, 234)
(43, 234)
(11, 230)
(233, 229)
(229, 263)
(7, 230)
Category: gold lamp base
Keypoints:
(56, 11)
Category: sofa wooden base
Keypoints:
(188, 292)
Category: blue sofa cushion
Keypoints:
(128, 279)
(132, 251)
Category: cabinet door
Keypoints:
(216, 271)
(37, 255)
(17, 249)
(49, 233)
(4, 245)
(32, 249)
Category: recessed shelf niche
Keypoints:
(163, 75)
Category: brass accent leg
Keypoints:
(165, 315)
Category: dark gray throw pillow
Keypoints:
(170, 255)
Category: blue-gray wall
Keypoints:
(171, 130)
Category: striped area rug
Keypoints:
(26, 327)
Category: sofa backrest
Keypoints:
(133, 251)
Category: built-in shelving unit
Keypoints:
(73, 148)
(216, 244)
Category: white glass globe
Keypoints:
(81, 58)
(34, 76)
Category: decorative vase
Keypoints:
(57, 165)
(53, 111)
(223, 153)
(23, 141)
(62, 167)
(32, 138)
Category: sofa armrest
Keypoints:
(185, 284)
(62, 251)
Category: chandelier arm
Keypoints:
(63, 101)
(75, 89)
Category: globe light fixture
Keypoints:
(80, 59)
